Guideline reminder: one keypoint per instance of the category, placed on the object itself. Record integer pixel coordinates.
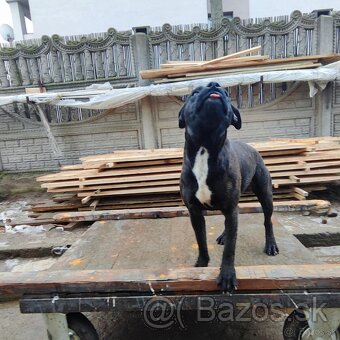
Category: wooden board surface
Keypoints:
(171, 243)
(121, 256)
(178, 281)
(252, 207)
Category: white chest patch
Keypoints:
(200, 171)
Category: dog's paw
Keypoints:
(271, 248)
(221, 239)
(227, 279)
(202, 262)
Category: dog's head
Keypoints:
(207, 113)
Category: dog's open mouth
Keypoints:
(215, 95)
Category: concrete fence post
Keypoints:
(324, 99)
(141, 52)
(216, 12)
(142, 57)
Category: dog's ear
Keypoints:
(181, 120)
(236, 120)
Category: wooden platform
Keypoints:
(170, 243)
(123, 257)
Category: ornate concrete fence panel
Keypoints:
(279, 39)
(55, 61)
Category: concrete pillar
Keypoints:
(216, 9)
(148, 126)
(18, 17)
(142, 55)
(324, 112)
(325, 34)
(324, 99)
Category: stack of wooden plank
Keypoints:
(150, 178)
(234, 63)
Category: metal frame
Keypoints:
(55, 306)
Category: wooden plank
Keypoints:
(140, 205)
(300, 191)
(56, 206)
(253, 207)
(307, 172)
(310, 165)
(119, 156)
(113, 180)
(316, 156)
(123, 153)
(133, 187)
(87, 174)
(65, 175)
(245, 69)
(233, 55)
(240, 59)
(137, 191)
(89, 197)
(180, 280)
(308, 140)
(306, 180)
(131, 164)
(148, 74)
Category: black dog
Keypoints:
(216, 171)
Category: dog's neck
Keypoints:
(214, 151)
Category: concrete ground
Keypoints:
(30, 251)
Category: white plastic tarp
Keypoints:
(102, 97)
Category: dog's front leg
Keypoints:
(198, 223)
(227, 277)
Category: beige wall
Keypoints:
(25, 147)
(291, 115)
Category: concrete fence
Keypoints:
(115, 56)
(275, 110)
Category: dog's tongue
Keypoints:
(215, 95)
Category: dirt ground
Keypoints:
(30, 250)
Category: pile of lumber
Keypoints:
(134, 179)
(234, 63)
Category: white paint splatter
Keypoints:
(151, 289)
(55, 298)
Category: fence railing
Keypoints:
(115, 56)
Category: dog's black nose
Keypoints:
(213, 84)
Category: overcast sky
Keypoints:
(5, 14)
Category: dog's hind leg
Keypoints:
(198, 223)
(262, 188)
(221, 239)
